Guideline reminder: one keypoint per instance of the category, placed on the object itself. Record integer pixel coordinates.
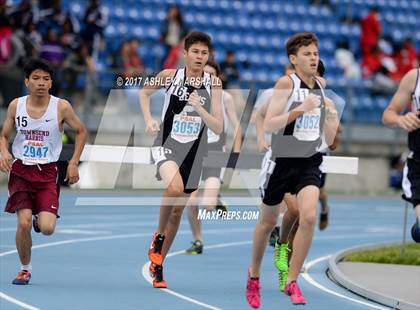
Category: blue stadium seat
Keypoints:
(236, 39)
(133, 14)
(226, 5)
(76, 9)
(250, 6)
(415, 5)
(110, 31)
(122, 29)
(256, 24)
(153, 33)
(269, 24)
(263, 41)
(269, 60)
(230, 21)
(397, 35)
(119, 12)
(217, 20)
(147, 14)
(255, 58)
(247, 74)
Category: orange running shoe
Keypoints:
(155, 251)
(158, 281)
(22, 278)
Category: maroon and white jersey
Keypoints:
(38, 141)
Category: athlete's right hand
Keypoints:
(152, 126)
(311, 102)
(410, 121)
(6, 161)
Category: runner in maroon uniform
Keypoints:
(33, 190)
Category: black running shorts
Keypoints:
(288, 175)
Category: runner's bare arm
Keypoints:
(391, 116)
(166, 76)
(213, 120)
(70, 118)
(260, 114)
(332, 123)
(6, 158)
(233, 118)
(276, 118)
(337, 140)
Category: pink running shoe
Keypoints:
(292, 289)
(253, 292)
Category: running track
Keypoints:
(95, 260)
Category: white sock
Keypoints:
(280, 219)
(26, 267)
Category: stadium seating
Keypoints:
(257, 31)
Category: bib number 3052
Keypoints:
(307, 126)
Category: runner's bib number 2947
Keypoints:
(35, 152)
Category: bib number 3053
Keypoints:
(185, 128)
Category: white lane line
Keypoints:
(17, 302)
(82, 232)
(70, 241)
(148, 278)
(137, 224)
(311, 281)
(90, 226)
(124, 236)
(156, 201)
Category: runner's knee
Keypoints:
(47, 229)
(25, 224)
(293, 212)
(307, 219)
(268, 224)
(175, 190)
(177, 212)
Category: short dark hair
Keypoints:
(298, 40)
(36, 63)
(197, 37)
(321, 68)
(214, 65)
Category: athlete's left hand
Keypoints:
(331, 111)
(72, 175)
(194, 99)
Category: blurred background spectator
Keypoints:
(77, 67)
(175, 58)
(173, 29)
(130, 59)
(229, 71)
(346, 60)
(371, 30)
(94, 21)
